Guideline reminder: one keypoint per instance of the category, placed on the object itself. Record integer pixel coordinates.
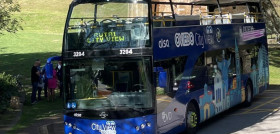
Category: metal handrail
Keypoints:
(163, 20)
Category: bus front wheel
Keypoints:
(248, 94)
(191, 119)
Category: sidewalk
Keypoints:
(49, 125)
(269, 125)
(9, 119)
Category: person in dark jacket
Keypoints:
(35, 76)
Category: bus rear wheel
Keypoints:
(191, 119)
(248, 95)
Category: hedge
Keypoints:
(8, 88)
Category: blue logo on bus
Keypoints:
(74, 105)
(68, 105)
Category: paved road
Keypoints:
(262, 117)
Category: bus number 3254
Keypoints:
(78, 54)
(126, 51)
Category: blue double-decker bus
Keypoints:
(159, 66)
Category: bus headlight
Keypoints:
(143, 126)
(149, 124)
(137, 128)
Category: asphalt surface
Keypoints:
(262, 117)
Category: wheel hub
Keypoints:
(192, 119)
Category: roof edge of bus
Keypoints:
(214, 2)
(91, 1)
(189, 2)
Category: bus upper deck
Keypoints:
(115, 25)
(167, 13)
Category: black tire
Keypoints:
(248, 95)
(191, 119)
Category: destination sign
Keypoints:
(103, 37)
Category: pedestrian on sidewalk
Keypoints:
(35, 76)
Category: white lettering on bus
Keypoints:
(163, 43)
(108, 128)
(199, 40)
(184, 39)
(247, 29)
(166, 116)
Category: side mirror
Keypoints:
(162, 79)
(49, 70)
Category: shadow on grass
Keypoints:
(14, 64)
(274, 58)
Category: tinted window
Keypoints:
(249, 57)
(198, 76)
(174, 68)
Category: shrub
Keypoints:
(8, 88)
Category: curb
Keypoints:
(44, 129)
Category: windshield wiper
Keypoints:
(140, 110)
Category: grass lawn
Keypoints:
(274, 66)
(43, 24)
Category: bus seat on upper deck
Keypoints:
(207, 20)
(237, 18)
(224, 19)
(249, 19)
(183, 20)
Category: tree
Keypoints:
(270, 16)
(8, 23)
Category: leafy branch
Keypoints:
(8, 23)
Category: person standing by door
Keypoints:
(35, 76)
(59, 77)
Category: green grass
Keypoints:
(41, 37)
(274, 66)
(43, 24)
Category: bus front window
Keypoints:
(109, 83)
(107, 25)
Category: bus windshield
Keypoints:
(108, 25)
(109, 83)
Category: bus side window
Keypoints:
(256, 57)
(247, 53)
(212, 58)
(230, 55)
(175, 68)
(198, 76)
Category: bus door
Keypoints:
(166, 103)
